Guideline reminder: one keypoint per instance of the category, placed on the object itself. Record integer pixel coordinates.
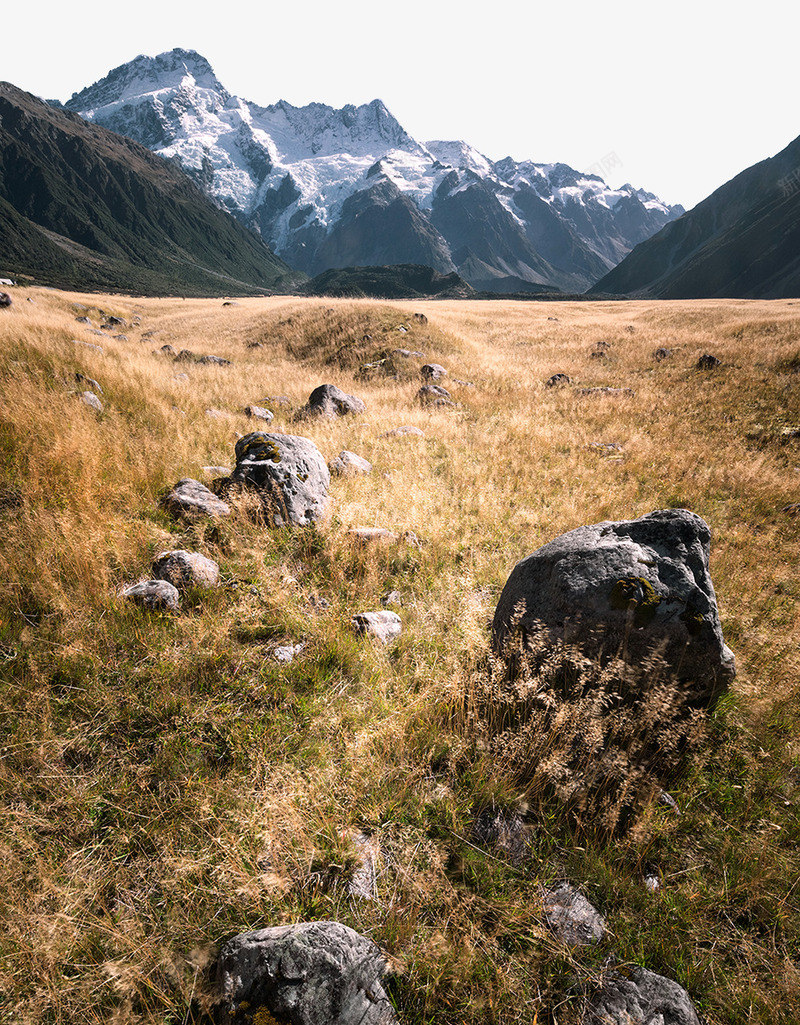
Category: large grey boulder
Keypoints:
(628, 587)
(329, 401)
(314, 973)
(185, 569)
(571, 917)
(640, 997)
(191, 500)
(289, 474)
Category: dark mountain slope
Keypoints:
(85, 207)
(742, 242)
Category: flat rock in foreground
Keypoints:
(191, 500)
(186, 569)
(314, 973)
(631, 586)
(289, 475)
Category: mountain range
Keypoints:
(331, 188)
(83, 207)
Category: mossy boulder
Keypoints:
(288, 474)
(626, 588)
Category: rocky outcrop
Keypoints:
(629, 587)
(314, 973)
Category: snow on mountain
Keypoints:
(324, 184)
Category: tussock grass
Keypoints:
(166, 783)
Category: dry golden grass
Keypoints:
(166, 783)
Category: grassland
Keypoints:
(166, 783)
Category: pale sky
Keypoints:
(681, 95)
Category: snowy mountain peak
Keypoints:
(145, 75)
(459, 154)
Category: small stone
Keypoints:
(218, 414)
(276, 400)
(434, 395)
(89, 398)
(5, 300)
(392, 598)
(504, 832)
(190, 500)
(186, 356)
(408, 537)
(96, 331)
(708, 362)
(216, 361)
(259, 413)
(420, 318)
(652, 883)
(154, 594)
(399, 432)
(409, 354)
(557, 381)
(611, 392)
(382, 626)
(367, 535)
(571, 917)
(83, 379)
(185, 569)
(83, 320)
(88, 345)
(433, 371)
(348, 464)
(364, 880)
(287, 652)
(255, 345)
(668, 801)
(793, 509)
(661, 354)
(121, 338)
(217, 471)
(165, 350)
(116, 322)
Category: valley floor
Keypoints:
(166, 782)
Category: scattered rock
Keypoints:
(409, 354)
(410, 538)
(186, 356)
(313, 973)
(96, 331)
(793, 509)
(217, 471)
(383, 626)
(606, 448)
(181, 377)
(504, 832)
(277, 400)
(255, 345)
(154, 594)
(708, 362)
(571, 917)
(392, 598)
(191, 500)
(289, 475)
(668, 801)
(89, 398)
(121, 338)
(420, 318)
(643, 583)
(88, 345)
(83, 320)
(185, 569)
(116, 322)
(229, 302)
(216, 361)
(166, 350)
(557, 381)
(348, 464)
(218, 414)
(259, 413)
(364, 881)
(399, 432)
(661, 354)
(329, 401)
(83, 379)
(434, 395)
(553, 318)
(368, 535)
(403, 329)
(652, 883)
(287, 652)
(640, 997)
(433, 371)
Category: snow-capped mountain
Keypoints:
(330, 187)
